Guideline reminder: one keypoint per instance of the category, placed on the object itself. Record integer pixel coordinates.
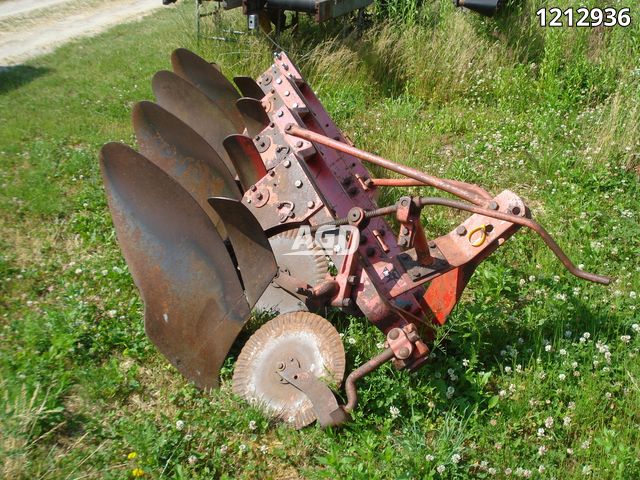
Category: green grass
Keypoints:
(551, 114)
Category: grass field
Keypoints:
(537, 374)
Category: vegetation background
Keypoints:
(535, 376)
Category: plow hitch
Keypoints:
(249, 198)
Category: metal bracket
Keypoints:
(325, 405)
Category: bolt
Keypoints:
(403, 353)
(298, 183)
(272, 173)
(286, 163)
(281, 366)
(432, 244)
(285, 66)
(278, 55)
(404, 202)
(299, 144)
(461, 230)
(253, 188)
(295, 105)
(310, 204)
(393, 334)
(286, 93)
(493, 205)
(280, 113)
(259, 196)
(279, 81)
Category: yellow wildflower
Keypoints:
(132, 455)
(137, 472)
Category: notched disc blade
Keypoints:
(249, 87)
(194, 108)
(183, 154)
(194, 303)
(253, 114)
(209, 80)
(255, 259)
(309, 339)
(245, 158)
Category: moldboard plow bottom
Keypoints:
(254, 200)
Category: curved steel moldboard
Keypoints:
(255, 258)
(249, 88)
(194, 303)
(209, 80)
(194, 108)
(246, 159)
(183, 154)
(253, 114)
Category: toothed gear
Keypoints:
(303, 336)
(311, 268)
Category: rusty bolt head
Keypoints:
(493, 205)
(298, 183)
(403, 353)
(272, 173)
(461, 230)
(287, 93)
(286, 163)
(432, 244)
(311, 204)
(281, 366)
(299, 144)
(280, 113)
(393, 334)
(253, 188)
(259, 196)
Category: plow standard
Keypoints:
(254, 200)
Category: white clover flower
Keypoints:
(586, 470)
(542, 450)
(635, 327)
(562, 351)
(192, 459)
(507, 471)
(242, 447)
(548, 422)
(502, 393)
(507, 369)
(548, 348)
(264, 449)
(455, 458)
(179, 425)
(351, 341)
(223, 449)
(586, 444)
(518, 368)
(541, 469)
(562, 377)
(492, 471)
(566, 421)
(532, 278)
(568, 333)
(560, 296)
(569, 451)
(394, 411)
(78, 271)
(465, 362)
(522, 282)
(571, 405)
(429, 458)
(586, 335)
(252, 425)
(440, 468)
(633, 295)
(608, 395)
(526, 473)
(540, 432)
(625, 338)
(450, 392)
(574, 364)
(556, 278)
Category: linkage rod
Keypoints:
(459, 189)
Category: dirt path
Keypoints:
(34, 27)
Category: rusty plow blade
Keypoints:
(194, 302)
(249, 87)
(193, 107)
(184, 155)
(209, 80)
(246, 159)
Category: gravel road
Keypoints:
(29, 28)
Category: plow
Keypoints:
(246, 197)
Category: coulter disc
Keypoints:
(305, 337)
